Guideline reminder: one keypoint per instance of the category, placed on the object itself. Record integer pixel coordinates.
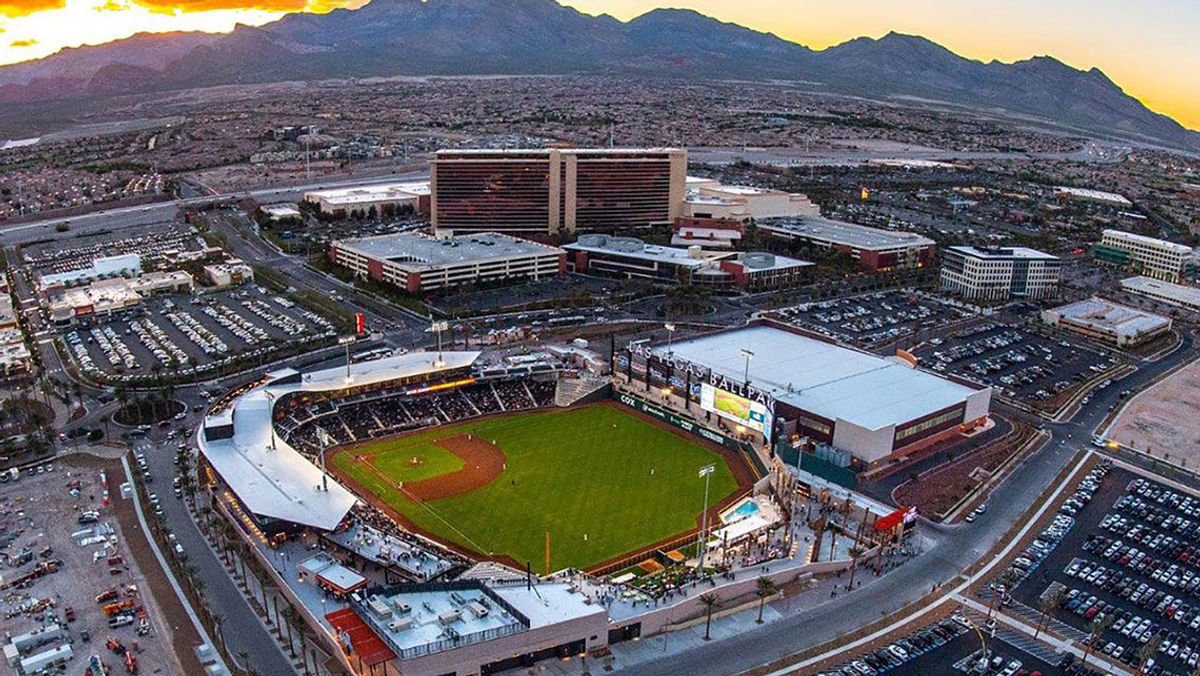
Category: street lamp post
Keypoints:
(706, 472)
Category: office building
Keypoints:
(553, 191)
(873, 248)
(1186, 297)
(629, 257)
(419, 263)
(1144, 255)
(999, 273)
(1107, 322)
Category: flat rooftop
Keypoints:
(829, 380)
(370, 193)
(1187, 295)
(849, 234)
(1150, 241)
(429, 619)
(418, 252)
(1003, 253)
(1094, 195)
(631, 247)
(1102, 314)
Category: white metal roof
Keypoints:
(849, 234)
(1003, 253)
(831, 381)
(414, 251)
(273, 479)
(1103, 314)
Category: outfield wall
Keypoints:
(746, 450)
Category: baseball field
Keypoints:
(601, 480)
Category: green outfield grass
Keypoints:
(601, 481)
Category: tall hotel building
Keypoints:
(553, 191)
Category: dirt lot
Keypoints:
(40, 527)
(1165, 418)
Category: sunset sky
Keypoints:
(1150, 48)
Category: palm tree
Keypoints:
(290, 616)
(711, 602)
(1147, 653)
(1047, 605)
(764, 589)
(1096, 628)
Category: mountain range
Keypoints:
(527, 37)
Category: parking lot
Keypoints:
(71, 589)
(148, 242)
(193, 337)
(874, 319)
(1023, 364)
(1128, 572)
(952, 648)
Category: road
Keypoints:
(954, 549)
(240, 627)
(162, 212)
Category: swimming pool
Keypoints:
(746, 509)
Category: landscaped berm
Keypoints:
(602, 480)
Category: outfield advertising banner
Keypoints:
(740, 410)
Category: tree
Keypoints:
(764, 589)
(1147, 653)
(1096, 630)
(711, 602)
(1047, 605)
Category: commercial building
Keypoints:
(8, 317)
(1107, 322)
(629, 257)
(470, 627)
(124, 265)
(420, 263)
(709, 198)
(279, 212)
(554, 191)
(1144, 255)
(229, 273)
(874, 249)
(706, 233)
(361, 200)
(1187, 297)
(108, 297)
(1089, 195)
(777, 384)
(999, 273)
(14, 353)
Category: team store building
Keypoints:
(774, 384)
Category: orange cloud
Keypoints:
(111, 6)
(188, 6)
(14, 8)
(23, 43)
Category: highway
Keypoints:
(162, 212)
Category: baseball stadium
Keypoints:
(492, 461)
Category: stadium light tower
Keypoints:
(438, 327)
(347, 341)
(326, 442)
(706, 472)
(747, 355)
(271, 414)
(670, 336)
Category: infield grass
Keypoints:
(600, 481)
